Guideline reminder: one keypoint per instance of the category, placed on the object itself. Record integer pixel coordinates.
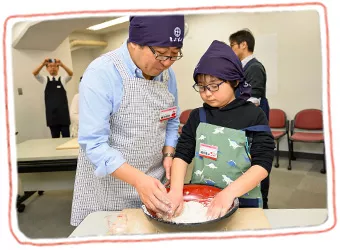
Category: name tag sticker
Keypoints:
(168, 114)
(208, 151)
(58, 86)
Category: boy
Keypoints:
(228, 138)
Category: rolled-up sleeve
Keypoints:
(99, 97)
(173, 124)
(41, 79)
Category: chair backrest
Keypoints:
(310, 119)
(184, 116)
(277, 118)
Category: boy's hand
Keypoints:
(176, 200)
(220, 205)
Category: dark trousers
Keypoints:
(265, 191)
(264, 105)
(57, 129)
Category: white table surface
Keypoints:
(96, 224)
(45, 149)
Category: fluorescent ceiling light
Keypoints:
(113, 22)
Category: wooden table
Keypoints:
(96, 223)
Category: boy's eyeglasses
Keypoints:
(211, 87)
(164, 58)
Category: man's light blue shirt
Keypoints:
(100, 95)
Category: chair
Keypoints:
(183, 118)
(279, 125)
(309, 123)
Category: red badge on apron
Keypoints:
(167, 114)
(208, 151)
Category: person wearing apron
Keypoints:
(57, 112)
(74, 114)
(56, 103)
(243, 43)
(128, 121)
(228, 138)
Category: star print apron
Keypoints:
(222, 156)
(136, 130)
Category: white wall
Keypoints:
(298, 58)
(30, 117)
(81, 58)
(114, 40)
(295, 85)
(298, 76)
(19, 30)
(82, 36)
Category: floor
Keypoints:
(302, 187)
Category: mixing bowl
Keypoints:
(193, 192)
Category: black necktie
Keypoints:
(53, 79)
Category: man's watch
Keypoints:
(168, 155)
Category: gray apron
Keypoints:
(136, 131)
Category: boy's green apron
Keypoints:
(222, 155)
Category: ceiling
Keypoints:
(49, 34)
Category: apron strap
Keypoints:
(119, 64)
(203, 116)
(258, 128)
(247, 203)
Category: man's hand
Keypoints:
(45, 62)
(167, 163)
(153, 194)
(58, 62)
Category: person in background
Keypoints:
(127, 134)
(228, 138)
(56, 103)
(74, 113)
(243, 44)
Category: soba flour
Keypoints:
(193, 212)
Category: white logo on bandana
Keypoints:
(177, 32)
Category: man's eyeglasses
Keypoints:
(164, 58)
(211, 87)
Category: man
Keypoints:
(127, 134)
(242, 43)
(56, 104)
